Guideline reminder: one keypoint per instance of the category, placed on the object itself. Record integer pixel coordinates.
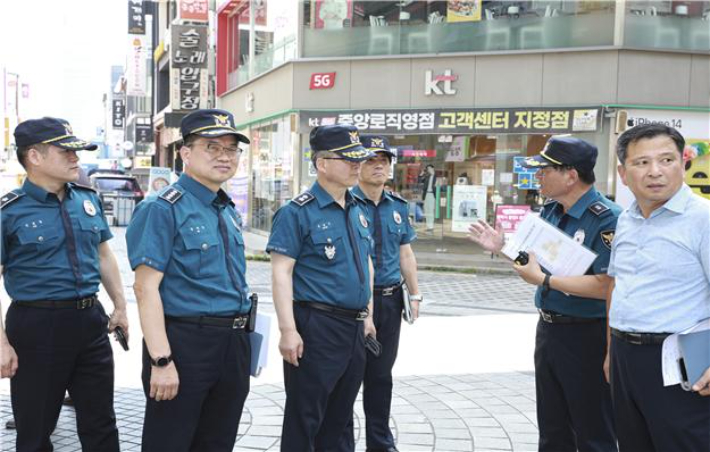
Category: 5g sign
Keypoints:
(322, 80)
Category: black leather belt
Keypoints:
(640, 338)
(80, 303)
(386, 291)
(237, 322)
(355, 314)
(553, 317)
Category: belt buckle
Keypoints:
(388, 291)
(634, 338)
(239, 323)
(546, 316)
(84, 303)
(362, 315)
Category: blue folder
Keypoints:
(694, 357)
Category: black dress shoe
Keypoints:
(68, 401)
(389, 449)
(10, 425)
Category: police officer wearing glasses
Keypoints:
(322, 281)
(186, 248)
(388, 215)
(54, 254)
(573, 399)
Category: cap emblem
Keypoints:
(221, 120)
(354, 137)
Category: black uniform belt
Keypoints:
(355, 314)
(237, 322)
(386, 291)
(553, 317)
(640, 338)
(80, 303)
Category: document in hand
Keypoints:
(686, 355)
(557, 252)
(260, 344)
(407, 312)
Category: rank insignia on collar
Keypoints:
(171, 195)
(303, 198)
(89, 208)
(598, 208)
(397, 217)
(330, 252)
(363, 220)
(8, 198)
(607, 238)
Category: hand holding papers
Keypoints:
(686, 356)
(556, 251)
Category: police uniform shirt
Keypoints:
(50, 241)
(391, 217)
(592, 222)
(330, 249)
(178, 233)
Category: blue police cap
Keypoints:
(344, 140)
(567, 151)
(210, 123)
(52, 131)
(376, 143)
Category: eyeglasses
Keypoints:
(338, 158)
(215, 150)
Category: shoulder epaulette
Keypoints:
(171, 195)
(10, 197)
(83, 187)
(598, 208)
(398, 197)
(303, 199)
(549, 201)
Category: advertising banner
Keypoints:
(332, 14)
(136, 17)
(194, 10)
(137, 68)
(188, 67)
(459, 120)
(159, 179)
(468, 206)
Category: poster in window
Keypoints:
(469, 204)
(333, 14)
(463, 10)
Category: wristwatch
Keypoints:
(161, 361)
(418, 298)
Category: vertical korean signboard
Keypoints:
(118, 113)
(137, 70)
(188, 67)
(136, 17)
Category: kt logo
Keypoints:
(431, 83)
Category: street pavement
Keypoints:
(464, 376)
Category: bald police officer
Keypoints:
(573, 399)
(322, 281)
(388, 216)
(187, 250)
(54, 254)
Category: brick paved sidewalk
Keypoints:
(483, 412)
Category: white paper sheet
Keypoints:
(557, 252)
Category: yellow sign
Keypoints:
(142, 162)
(463, 10)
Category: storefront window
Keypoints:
(272, 171)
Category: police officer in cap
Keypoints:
(186, 248)
(322, 281)
(54, 253)
(573, 399)
(388, 216)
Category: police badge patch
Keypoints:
(607, 238)
(397, 217)
(89, 208)
(363, 220)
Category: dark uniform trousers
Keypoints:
(573, 399)
(213, 365)
(60, 349)
(649, 416)
(377, 385)
(321, 391)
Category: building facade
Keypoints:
(470, 91)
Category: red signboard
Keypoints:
(418, 153)
(194, 10)
(322, 80)
(508, 217)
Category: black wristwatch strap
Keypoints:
(161, 361)
(546, 284)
